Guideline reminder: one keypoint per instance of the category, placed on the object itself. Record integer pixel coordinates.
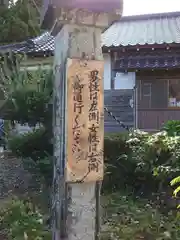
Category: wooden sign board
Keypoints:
(85, 121)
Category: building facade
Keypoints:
(145, 55)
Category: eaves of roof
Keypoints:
(156, 61)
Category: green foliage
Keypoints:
(41, 168)
(157, 153)
(35, 149)
(174, 182)
(128, 218)
(172, 127)
(35, 144)
(19, 22)
(28, 106)
(28, 96)
(22, 221)
(119, 169)
(27, 99)
(141, 162)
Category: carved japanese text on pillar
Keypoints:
(85, 125)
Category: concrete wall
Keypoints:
(107, 71)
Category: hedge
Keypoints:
(140, 162)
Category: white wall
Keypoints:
(125, 80)
(121, 81)
(107, 71)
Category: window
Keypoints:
(174, 93)
(153, 93)
(145, 89)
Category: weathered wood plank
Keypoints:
(85, 125)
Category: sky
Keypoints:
(136, 7)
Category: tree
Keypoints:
(19, 22)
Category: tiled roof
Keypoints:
(144, 29)
(43, 43)
(130, 31)
(40, 44)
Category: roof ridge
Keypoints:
(149, 16)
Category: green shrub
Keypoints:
(28, 97)
(172, 127)
(138, 161)
(127, 219)
(118, 167)
(141, 162)
(35, 149)
(29, 107)
(176, 182)
(123, 169)
(156, 153)
(35, 145)
(22, 220)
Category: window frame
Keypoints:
(168, 96)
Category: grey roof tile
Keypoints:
(141, 30)
(42, 43)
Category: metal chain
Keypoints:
(116, 119)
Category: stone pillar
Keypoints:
(79, 218)
(79, 38)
